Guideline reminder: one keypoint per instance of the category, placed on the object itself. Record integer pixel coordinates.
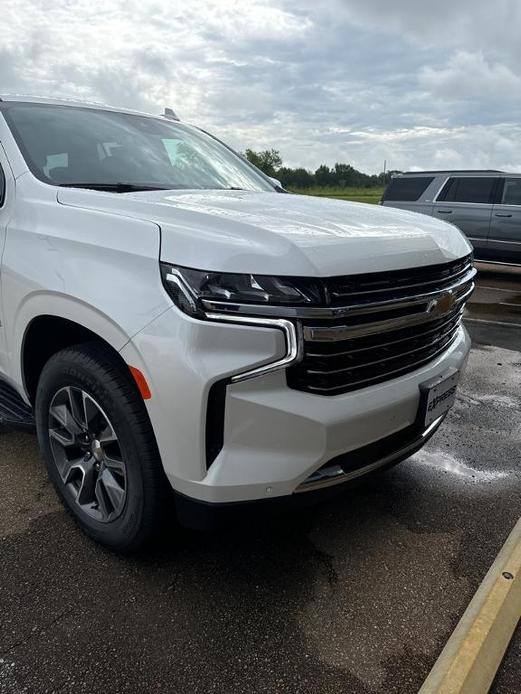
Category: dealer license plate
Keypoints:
(438, 395)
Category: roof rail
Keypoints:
(453, 171)
(170, 113)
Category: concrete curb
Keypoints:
(473, 654)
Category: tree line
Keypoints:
(339, 176)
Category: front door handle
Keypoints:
(444, 211)
(501, 214)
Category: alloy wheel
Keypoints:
(87, 454)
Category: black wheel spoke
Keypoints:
(112, 488)
(62, 437)
(69, 468)
(102, 501)
(67, 418)
(116, 466)
(87, 484)
(76, 406)
(107, 434)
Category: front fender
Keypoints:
(95, 269)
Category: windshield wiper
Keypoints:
(113, 187)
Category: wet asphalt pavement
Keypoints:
(357, 595)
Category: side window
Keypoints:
(181, 155)
(188, 163)
(172, 149)
(512, 192)
(468, 189)
(407, 188)
(2, 186)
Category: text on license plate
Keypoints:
(439, 395)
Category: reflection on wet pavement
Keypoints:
(497, 296)
(442, 460)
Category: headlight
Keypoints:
(196, 291)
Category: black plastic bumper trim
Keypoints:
(215, 414)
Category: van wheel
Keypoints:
(99, 447)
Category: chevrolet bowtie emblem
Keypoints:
(442, 304)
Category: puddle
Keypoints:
(446, 462)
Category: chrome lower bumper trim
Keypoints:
(328, 477)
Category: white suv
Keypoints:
(175, 320)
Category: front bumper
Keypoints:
(275, 439)
(328, 481)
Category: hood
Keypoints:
(284, 234)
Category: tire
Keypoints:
(112, 482)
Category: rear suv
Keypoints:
(173, 320)
(485, 205)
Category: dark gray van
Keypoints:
(485, 205)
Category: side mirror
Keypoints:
(275, 182)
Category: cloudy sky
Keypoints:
(420, 84)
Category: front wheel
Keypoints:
(99, 447)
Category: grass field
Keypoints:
(371, 195)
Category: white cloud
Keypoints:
(358, 81)
(471, 76)
(473, 147)
(465, 24)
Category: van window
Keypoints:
(468, 189)
(2, 186)
(55, 161)
(407, 188)
(512, 191)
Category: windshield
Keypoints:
(64, 145)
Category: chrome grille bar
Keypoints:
(344, 332)
(376, 341)
(456, 317)
(382, 360)
(394, 373)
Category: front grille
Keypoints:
(395, 322)
(397, 283)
